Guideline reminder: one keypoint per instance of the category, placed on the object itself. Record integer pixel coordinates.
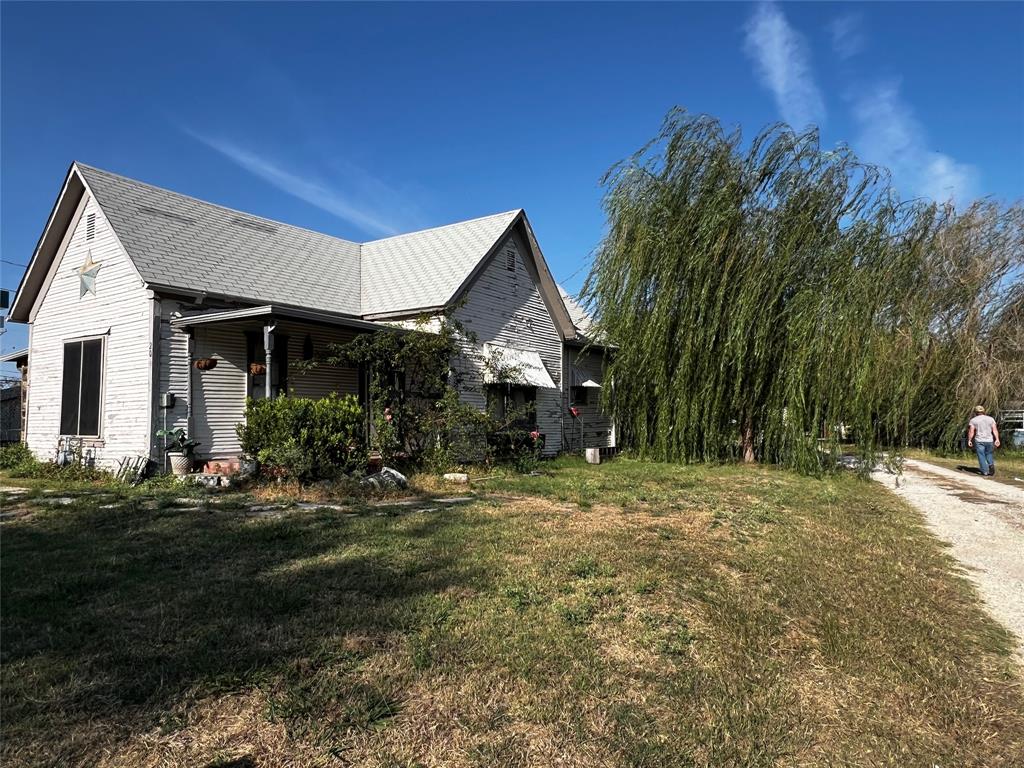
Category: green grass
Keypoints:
(626, 614)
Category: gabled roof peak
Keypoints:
(178, 242)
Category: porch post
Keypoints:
(268, 350)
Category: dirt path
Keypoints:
(984, 523)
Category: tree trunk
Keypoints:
(748, 441)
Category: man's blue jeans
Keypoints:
(986, 457)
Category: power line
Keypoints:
(13, 263)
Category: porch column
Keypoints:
(268, 352)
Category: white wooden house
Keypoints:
(131, 284)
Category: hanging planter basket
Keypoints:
(206, 363)
(257, 369)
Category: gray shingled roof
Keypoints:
(425, 269)
(178, 241)
(579, 316)
(181, 242)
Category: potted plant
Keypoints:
(179, 450)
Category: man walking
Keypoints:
(983, 435)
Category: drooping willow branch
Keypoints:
(767, 299)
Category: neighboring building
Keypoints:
(12, 398)
(1011, 423)
(130, 285)
(10, 414)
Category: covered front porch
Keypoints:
(259, 352)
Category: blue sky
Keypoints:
(362, 120)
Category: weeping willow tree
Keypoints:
(766, 298)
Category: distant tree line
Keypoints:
(766, 298)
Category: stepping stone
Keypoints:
(11, 491)
(265, 510)
(60, 501)
(456, 477)
(314, 505)
(455, 499)
(396, 503)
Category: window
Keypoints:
(513, 405)
(82, 388)
(580, 396)
(90, 226)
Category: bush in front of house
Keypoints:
(18, 461)
(15, 456)
(303, 438)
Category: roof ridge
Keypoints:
(212, 204)
(229, 209)
(516, 211)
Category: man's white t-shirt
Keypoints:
(983, 426)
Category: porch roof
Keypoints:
(284, 313)
(19, 356)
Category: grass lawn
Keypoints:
(627, 614)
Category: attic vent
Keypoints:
(259, 226)
(166, 214)
(510, 259)
(90, 226)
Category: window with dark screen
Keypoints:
(82, 388)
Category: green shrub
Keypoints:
(15, 455)
(303, 438)
(18, 461)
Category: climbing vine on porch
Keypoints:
(412, 384)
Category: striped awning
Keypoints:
(517, 366)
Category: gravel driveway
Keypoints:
(984, 523)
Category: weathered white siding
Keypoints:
(321, 380)
(593, 428)
(121, 312)
(173, 370)
(505, 306)
(219, 393)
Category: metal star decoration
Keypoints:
(87, 276)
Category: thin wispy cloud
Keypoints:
(783, 63)
(307, 187)
(892, 136)
(847, 35)
(888, 132)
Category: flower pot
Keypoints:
(181, 463)
(206, 363)
(257, 369)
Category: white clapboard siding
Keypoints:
(173, 368)
(505, 307)
(219, 393)
(121, 312)
(321, 380)
(596, 424)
